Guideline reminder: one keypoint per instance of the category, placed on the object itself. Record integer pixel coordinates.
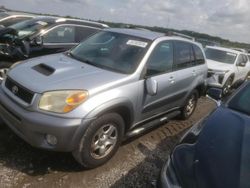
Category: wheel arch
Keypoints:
(123, 107)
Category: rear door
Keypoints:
(59, 38)
(185, 71)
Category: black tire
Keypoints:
(4, 66)
(227, 86)
(186, 112)
(84, 154)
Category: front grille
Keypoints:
(19, 91)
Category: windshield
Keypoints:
(29, 27)
(220, 55)
(3, 15)
(113, 51)
(241, 101)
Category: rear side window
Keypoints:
(84, 32)
(161, 59)
(183, 55)
(61, 34)
(198, 55)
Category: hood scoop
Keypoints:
(44, 69)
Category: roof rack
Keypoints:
(61, 19)
(172, 33)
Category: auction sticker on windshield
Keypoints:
(137, 43)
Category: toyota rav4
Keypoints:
(114, 85)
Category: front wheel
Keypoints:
(227, 86)
(190, 105)
(100, 141)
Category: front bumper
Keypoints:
(34, 126)
(215, 80)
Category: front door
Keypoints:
(159, 69)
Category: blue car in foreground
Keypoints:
(215, 152)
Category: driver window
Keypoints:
(61, 34)
(161, 59)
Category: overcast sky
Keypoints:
(225, 18)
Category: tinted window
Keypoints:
(112, 51)
(61, 34)
(161, 59)
(11, 21)
(220, 55)
(183, 52)
(198, 55)
(84, 32)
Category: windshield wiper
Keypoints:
(84, 60)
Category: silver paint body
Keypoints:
(107, 91)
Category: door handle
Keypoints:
(171, 80)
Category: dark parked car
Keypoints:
(8, 18)
(216, 151)
(43, 35)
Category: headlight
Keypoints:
(220, 72)
(62, 101)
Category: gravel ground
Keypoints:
(136, 164)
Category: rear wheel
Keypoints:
(190, 105)
(4, 67)
(100, 141)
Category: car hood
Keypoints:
(60, 72)
(221, 155)
(215, 65)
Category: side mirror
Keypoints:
(39, 40)
(151, 86)
(215, 94)
(242, 64)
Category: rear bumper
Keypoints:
(33, 126)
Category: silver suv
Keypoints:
(114, 85)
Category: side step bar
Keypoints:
(151, 124)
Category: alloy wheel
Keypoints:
(104, 141)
